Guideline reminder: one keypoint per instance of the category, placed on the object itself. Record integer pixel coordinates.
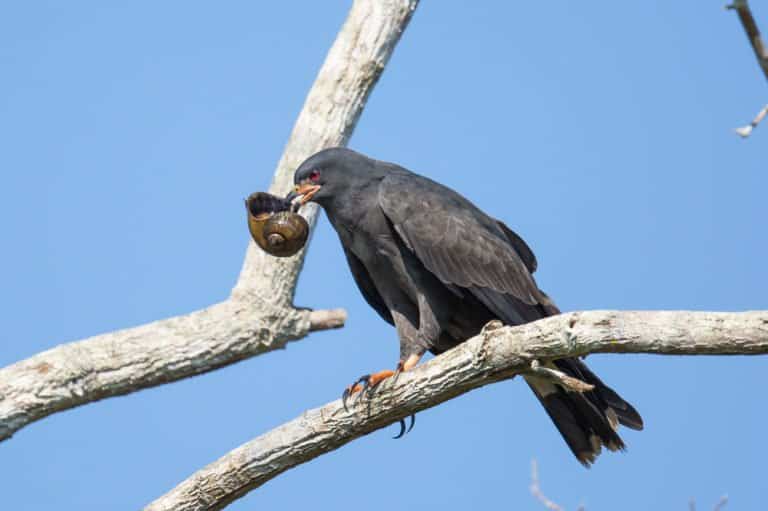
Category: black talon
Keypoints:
(402, 430)
(413, 421)
(348, 391)
(365, 380)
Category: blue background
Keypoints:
(130, 132)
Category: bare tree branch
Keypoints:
(721, 503)
(746, 131)
(753, 33)
(326, 319)
(536, 489)
(498, 353)
(259, 316)
(761, 53)
(718, 506)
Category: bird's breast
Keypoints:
(377, 246)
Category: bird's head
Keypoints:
(330, 174)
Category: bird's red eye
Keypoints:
(314, 175)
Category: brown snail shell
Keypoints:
(277, 230)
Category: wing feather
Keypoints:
(456, 241)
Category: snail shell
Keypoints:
(276, 229)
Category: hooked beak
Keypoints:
(303, 192)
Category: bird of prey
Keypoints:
(438, 268)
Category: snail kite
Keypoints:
(438, 268)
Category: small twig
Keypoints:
(761, 53)
(721, 503)
(569, 383)
(746, 131)
(753, 33)
(536, 489)
(718, 507)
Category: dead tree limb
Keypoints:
(753, 33)
(498, 353)
(746, 131)
(259, 316)
(721, 503)
(718, 506)
(761, 53)
(536, 491)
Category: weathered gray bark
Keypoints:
(498, 353)
(259, 316)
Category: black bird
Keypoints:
(437, 268)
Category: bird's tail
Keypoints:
(587, 420)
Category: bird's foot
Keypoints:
(367, 384)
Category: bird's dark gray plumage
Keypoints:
(438, 268)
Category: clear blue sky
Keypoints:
(130, 132)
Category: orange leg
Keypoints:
(371, 381)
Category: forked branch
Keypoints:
(259, 316)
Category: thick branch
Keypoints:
(259, 316)
(128, 360)
(333, 106)
(498, 353)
